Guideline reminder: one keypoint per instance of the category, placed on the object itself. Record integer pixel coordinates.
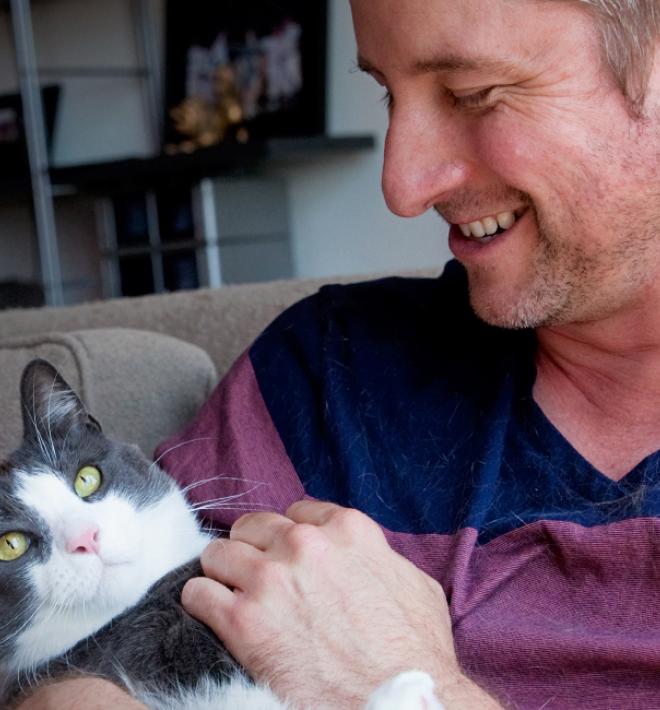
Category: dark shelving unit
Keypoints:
(170, 221)
(221, 160)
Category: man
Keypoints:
(518, 467)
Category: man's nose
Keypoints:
(423, 162)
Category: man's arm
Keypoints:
(81, 694)
(317, 604)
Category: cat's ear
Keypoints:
(48, 403)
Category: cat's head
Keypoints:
(87, 525)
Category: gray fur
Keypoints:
(155, 646)
(14, 588)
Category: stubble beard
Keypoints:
(566, 283)
(540, 299)
(572, 278)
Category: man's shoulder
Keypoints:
(383, 309)
(405, 322)
(382, 300)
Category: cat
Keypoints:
(96, 544)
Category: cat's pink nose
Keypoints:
(86, 540)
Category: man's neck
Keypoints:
(599, 384)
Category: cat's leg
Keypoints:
(412, 690)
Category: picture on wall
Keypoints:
(244, 70)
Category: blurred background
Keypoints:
(158, 145)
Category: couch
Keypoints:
(143, 366)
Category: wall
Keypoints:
(340, 224)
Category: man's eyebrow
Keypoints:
(456, 63)
(452, 63)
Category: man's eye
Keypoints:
(479, 99)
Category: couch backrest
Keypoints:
(223, 321)
(217, 324)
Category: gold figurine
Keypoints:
(208, 123)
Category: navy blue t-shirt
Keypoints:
(422, 415)
(394, 398)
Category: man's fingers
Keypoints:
(346, 524)
(208, 601)
(259, 529)
(312, 512)
(230, 562)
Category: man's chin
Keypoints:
(513, 313)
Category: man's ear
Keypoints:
(49, 404)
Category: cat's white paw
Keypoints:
(412, 690)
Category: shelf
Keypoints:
(189, 244)
(94, 72)
(227, 159)
(163, 248)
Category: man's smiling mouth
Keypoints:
(487, 228)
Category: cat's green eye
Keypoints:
(88, 481)
(12, 546)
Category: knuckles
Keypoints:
(353, 525)
(301, 539)
(341, 526)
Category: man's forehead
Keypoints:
(451, 62)
(503, 37)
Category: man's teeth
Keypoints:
(489, 225)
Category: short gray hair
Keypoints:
(630, 32)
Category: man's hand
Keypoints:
(319, 605)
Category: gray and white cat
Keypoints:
(96, 544)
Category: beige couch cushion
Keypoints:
(222, 321)
(141, 386)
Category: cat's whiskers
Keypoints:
(32, 668)
(221, 477)
(66, 438)
(211, 530)
(30, 665)
(226, 499)
(196, 484)
(180, 444)
(29, 674)
(35, 672)
(25, 624)
(31, 413)
(247, 507)
(48, 415)
(40, 440)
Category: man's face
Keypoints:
(505, 106)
